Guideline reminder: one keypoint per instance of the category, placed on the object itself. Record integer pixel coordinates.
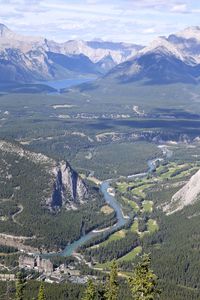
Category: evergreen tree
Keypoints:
(101, 292)
(112, 286)
(19, 287)
(90, 292)
(143, 283)
(41, 294)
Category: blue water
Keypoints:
(121, 221)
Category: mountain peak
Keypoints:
(161, 45)
(3, 26)
(4, 30)
(194, 28)
(192, 32)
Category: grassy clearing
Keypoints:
(139, 191)
(104, 266)
(147, 206)
(95, 180)
(152, 226)
(106, 209)
(113, 237)
(175, 171)
(122, 187)
(134, 226)
(131, 255)
(128, 257)
(133, 204)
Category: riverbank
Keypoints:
(109, 196)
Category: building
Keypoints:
(26, 261)
(44, 265)
(37, 263)
(7, 277)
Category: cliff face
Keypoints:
(187, 195)
(68, 188)
(63, 187)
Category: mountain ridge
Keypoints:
(164, 60)
(171, 59)
(26, 59)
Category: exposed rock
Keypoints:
(26, 59)
(68, 189)
(187, 195)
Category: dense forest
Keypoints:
(28, 186)
(104, 147)
(141, 284)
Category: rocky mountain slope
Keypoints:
(27, 59)
(187, 195)
(165, 60)
(68, 188)
(171, 59)
(187, 42)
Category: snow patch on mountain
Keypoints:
(162, 46)
(192, 32)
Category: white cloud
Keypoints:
(180, 8)
(120, 20)
(149, 30)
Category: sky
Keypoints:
(135, 21)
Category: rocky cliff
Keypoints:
(187, 195)
(68, 189)
(62, 185)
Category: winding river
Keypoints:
(121, 221)
(111, 201)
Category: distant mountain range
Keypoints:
(165, 60)
(27, 59)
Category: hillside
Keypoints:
(187, 195)
(36, 189)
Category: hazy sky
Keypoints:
(137, 21)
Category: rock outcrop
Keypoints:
(187, 195)
(63, 185)
(68, 189)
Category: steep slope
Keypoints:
(106, 63)
(28, 59)
(187, 195)
(17, 66)
(28, 185)
(66, 187)
(10, 39)
(188, 42)
(166, 60)
(160, 62)
(95, 51)
(74, 63)
(23, 59)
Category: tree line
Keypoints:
(142, 284)
(20, 285)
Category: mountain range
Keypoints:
(28, 59)
(166, 60)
